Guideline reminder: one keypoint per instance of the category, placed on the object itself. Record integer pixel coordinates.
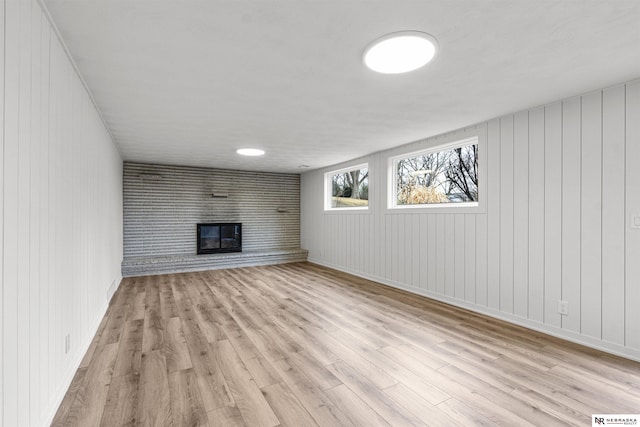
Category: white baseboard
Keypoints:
(554, 331)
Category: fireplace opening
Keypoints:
(219, 237)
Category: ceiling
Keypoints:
(189, 82)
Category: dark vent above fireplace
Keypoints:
(219, 237)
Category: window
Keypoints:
(347, 189)
(446, 175)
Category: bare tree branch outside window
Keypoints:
(350, 189)
(447, 176)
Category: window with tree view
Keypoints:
(444, 175)
(348, 188)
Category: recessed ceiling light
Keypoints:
(250, 152)
(400, 52)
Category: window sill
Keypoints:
(458, 208)
(347, 211)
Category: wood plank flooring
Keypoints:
(301, 345)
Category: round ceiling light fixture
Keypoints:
(250, 152)
(400, 52)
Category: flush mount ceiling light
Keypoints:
(250, 152)
(400, 52)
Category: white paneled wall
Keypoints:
(563, 185)
(60, 217)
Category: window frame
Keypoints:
(435, 145)
(328, 186)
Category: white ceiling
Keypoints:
(189, 82)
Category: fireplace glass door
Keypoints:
(219, 237)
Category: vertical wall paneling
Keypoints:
(571, 213)
(469, 244)
(342, 241)
(319, 222)
(57, 346)
(345, 242)
(2, 135)
(390, 237)
(376, 199)
(51, 192)
(552, 213)
(613, 215)
(506, 214)
(521, 214)
(386, 247)
(351, 244)
(392, 250)
(493, 214)
(406, 264)
(355, 235)
(83, 220)
(338, 241)
(481, 260)
(48, 121)
(358, 240)
(397, 248)
(416, 233)
(459, 267)
(440, 254)
(75, 290)
(348, 242)
(379, 203)
(58, 203)
(367, 253)
(326, 251)
(536, 214)
(328, 238)
(10, 261)
(423, 244)
(558, 224)
(359, 248)
(45, 254)
(632, 237)
(35, 207)
(372, 251)
(432, 250)
(403, 241)
(399, 239)
(449, 255)
(23, 225)
(591, 292)
(399, 251)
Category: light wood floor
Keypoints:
(301, 345)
